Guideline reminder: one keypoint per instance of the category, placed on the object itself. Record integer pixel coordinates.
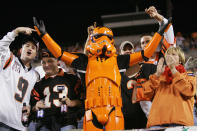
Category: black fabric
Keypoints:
(123, 61)
(146, 70)
(96, 123)
(69, 81)
(134, 117)
(144, 57)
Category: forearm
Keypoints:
(147, 52)
(56, 50)
(169, 33)
(75, 103)
(7, 40)
(5, 53)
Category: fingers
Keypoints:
(160, 67)
(40, 104)
(42, 23)
(35, 21)
(151, 11)
(161, 61)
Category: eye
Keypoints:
(110, 37)
(98, 36)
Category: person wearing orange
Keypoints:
(101, 68)
(149, 67)
(172, 91)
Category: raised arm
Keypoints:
(53, 47)
(168, 34)
(151, 46)
(5, 54)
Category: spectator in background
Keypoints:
(134, 117)
(193, 44)
(191, 66)
(127, 47)
(149, 67)
(179, 39)
(172, 90)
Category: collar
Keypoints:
(60, 73)
(24, 67)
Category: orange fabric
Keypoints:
(102, 94)
(102, 113)
(52, 46)
(116, 120)
(106, 68)
(55, 49)
(68, 58)
(152, 45)
(165, 46)
(172, 103)
(138, 94)
(135, 58)
(148, 51)
(8, 62)
(37, 30)
(89, 126)
(112, 121)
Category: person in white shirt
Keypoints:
(17, 78)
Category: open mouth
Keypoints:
(29, 53)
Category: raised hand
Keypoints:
(160, 67)
(40, 27)
(25, 30)
(152, 12)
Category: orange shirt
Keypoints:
(172, 103)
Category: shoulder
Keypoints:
(37, 75)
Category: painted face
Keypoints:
(28, 51)
(144, 41)
(50, 65)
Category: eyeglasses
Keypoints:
(145, 42)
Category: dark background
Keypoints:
(67, 21)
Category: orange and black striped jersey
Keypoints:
(52, 89)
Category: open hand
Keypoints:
(40, 27)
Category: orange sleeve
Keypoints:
(150, 86)
(135, 58)
(56, 50)
(148, 51)
(152, 45)
(185, 84)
